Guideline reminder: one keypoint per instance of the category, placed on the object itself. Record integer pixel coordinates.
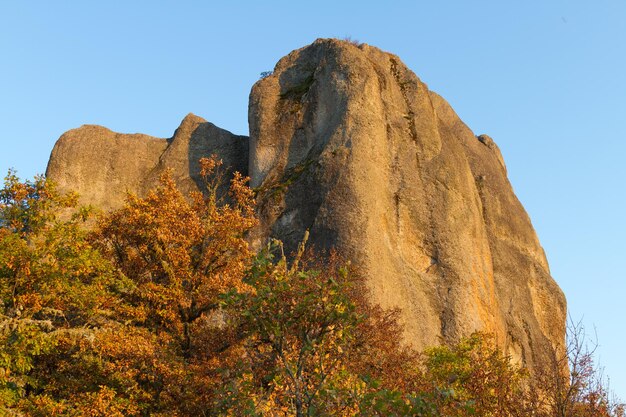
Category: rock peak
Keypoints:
(191, 118)
(352, 146)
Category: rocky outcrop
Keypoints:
(102, 166)
(347, 142)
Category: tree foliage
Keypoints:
(571, 384)
(161, 309)
(312, 342)
(55, 290)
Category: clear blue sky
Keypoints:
(546, 79)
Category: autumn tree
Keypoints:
(180, 253)
(104, 322)
(483, 381)
(54, 291)
(297, 325)
(313, 344)
(570, 383)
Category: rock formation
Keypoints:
(348, 143)
(102, 166)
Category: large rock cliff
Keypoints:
(348, 143)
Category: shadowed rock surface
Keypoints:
(348, 143)
(102, 165)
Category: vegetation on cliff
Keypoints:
(161, 309)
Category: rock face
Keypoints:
(102, 165)
(348, 143)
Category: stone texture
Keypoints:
(102, 166)
(349, 143)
